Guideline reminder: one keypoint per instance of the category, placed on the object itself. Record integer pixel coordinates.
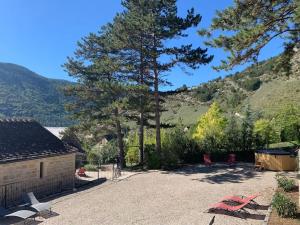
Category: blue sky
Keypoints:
(40, 34)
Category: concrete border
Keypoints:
(267, 218)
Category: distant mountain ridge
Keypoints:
(24, 93)
(261, 85)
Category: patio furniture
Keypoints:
(240, 199)
(31, 201)
(259, 166)
(212, 221)
(207, 160)
(229, 208)
(231, 159)
(22, 214)
(81, 172)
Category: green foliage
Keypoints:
(232, 133)
(248, 27)
(284, 206)
(26, 94)
(209, 131)
(103, 153)
(152, 157)
(273, 96)
(206, 91)
(132, 150)
(132, 144)
(132, 156)
(265, 132)
(251, 84)
(285, 183)
(247, 129)
(91, 167)
(288, 123)
(177, 147)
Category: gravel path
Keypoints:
(162, 198)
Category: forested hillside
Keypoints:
(266, 88)
(24, 93)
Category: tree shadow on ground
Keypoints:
(83, 187)
(17, 221)
(219, 173)
(241, 215)
(231, 176)
(257, 206)
(46, 215)
(251, 205)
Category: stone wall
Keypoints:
(24, 176)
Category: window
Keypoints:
(41, 170)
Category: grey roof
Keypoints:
(22, 139)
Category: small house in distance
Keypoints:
(32, 159)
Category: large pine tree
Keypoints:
(131, 39)
(165, 25)
(100, 97)
(249, 25)
(131, 54)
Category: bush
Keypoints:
(285, 183)
(91, 167)
(251, 84)
(132, 156)
(284, 206)
(152, 157)
(103, 153)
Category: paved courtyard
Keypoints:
(162, 198)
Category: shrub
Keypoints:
(152, 157)
(265, 133)
(103, 153)
(91, 167)
(285, 183)
(251, 84)
(284, 206)
(132, 156)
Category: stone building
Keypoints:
(32, 159)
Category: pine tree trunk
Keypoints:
(157, 110)
(156, 97)
(141, 138)
(141, 127)
(120, 140)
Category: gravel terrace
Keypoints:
(162, 198)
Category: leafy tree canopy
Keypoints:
(265, 132)
(288, 122)
(211, 125)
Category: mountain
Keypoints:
(265, 88)
(24, 93)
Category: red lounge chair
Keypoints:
(231, 159)
(81, 172)
(229, 208)
(207, 160)
(241, 200)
